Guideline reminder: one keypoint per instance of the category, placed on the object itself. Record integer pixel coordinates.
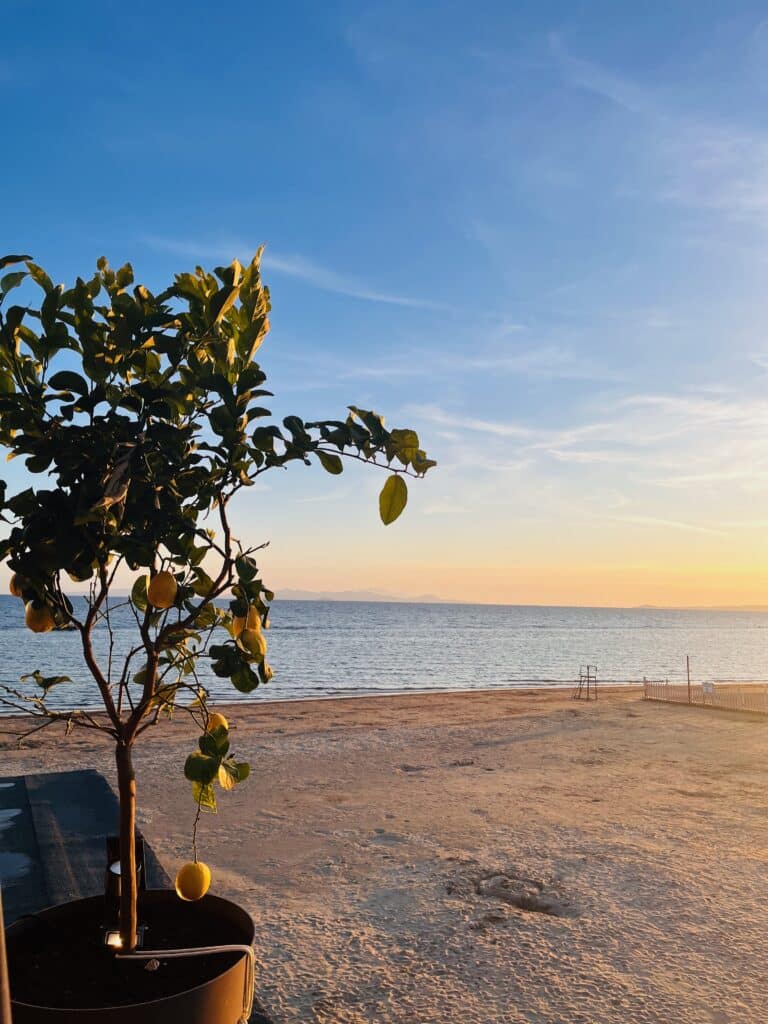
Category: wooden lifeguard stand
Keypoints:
(586, 688)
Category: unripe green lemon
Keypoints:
(161, 592)
(193, 880)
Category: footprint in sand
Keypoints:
(385, 838)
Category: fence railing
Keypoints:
(727, 696)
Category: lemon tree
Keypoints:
(138, 417)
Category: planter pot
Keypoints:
(61, 972)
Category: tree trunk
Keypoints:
(128, 886)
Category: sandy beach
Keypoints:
(506, 857)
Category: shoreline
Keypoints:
(606, 690)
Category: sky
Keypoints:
(534, 232)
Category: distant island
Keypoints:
(702, 608)
(358, 595)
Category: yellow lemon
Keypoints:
(217, 721)
(193, 880)
(39, 619)
(250, 621)
(14, 586)
(161, 592)
(253, 641)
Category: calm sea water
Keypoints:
(328, 648)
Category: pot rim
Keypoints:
(147, 1002)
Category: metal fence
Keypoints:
(726, 696)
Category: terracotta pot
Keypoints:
(211, 989)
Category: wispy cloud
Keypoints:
(661, 464)
(593, 78)
(673, 524)
(434, 414)
(294, 266)
(331, 281)
(701, 160)
(657, 440)
(547, 361)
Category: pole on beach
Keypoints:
(688, 672)
(5, 988)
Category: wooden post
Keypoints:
(688, 671)
(5, 988)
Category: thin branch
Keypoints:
(90, 659)
(400, 471)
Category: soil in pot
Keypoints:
(65, 964)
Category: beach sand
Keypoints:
(480, 858)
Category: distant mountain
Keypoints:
(317, 595)
(356, 595)
(702, 608)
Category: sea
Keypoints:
(346, 649)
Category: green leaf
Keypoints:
(164, 696)
(40, 277)
(11, 281)
(202, 585)
(215, 743)
(393, 499)
(204, 795)
(39, 463)
(330, 463)
(230, 773)
(6, 261)
(66, 380)
(201, 768)
(246, 568)
(139, 593)
(222, 302)
(124, 276)
(24, 503)
(296, 427)
(245, 679)
(421, 463)
(406, 444)
(205, 616)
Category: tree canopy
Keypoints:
(143, 414)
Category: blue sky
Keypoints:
(535, 232)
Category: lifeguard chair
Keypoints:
(586, 688)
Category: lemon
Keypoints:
(253, 641)
(14, 586)
(250, 621)
(193, 880)
(217, 721)
(161, 592)
(39, 618)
